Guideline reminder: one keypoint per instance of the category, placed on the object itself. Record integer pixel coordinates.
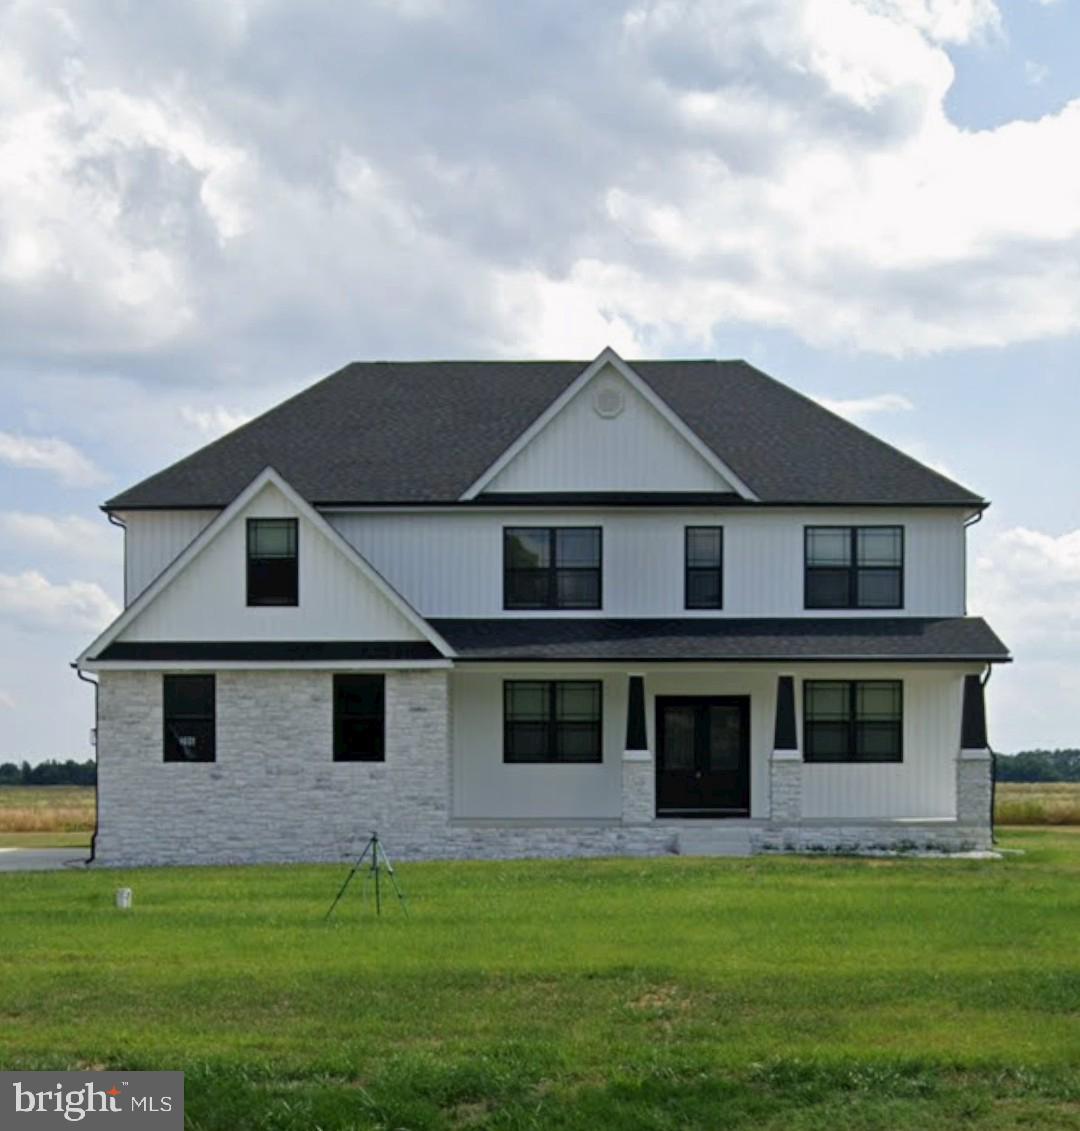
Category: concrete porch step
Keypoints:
(714, 840)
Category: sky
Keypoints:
(205, 206)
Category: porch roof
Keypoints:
(723, 638)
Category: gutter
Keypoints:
(97, 765)
(123, 526)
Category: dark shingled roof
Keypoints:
(723, 638)
(415, 432)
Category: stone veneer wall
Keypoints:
(275, 794)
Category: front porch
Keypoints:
(709, 760)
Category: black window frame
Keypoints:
(689, 570)
(170, 745)
(291, 600)
(551, 756)
(853, 568)
(553, 569)
(341, 751)
(853, 755)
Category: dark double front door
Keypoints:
(702, 756)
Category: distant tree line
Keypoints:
(1028, 765)
(52, 772)
(1039, 765)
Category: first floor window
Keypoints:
(853, 720)
(359, 718)
(552, 720)
(272, 572)
(188, 711)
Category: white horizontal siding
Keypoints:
(153, 539)
(450, 564)
(208, 599)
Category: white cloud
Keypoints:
(47, 453)
(1027, 584)
(1035, 73)
(213, 422)
(673, 167)
(7, 700)
(30, 601)
(1031, 580)
(70, 535)
(858, 408)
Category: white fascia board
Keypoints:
(609, 357)
(267, 476)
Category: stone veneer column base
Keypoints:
(638, 788)
(974, 794)
(785, 803)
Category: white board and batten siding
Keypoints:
(921, 787)
(207, 600)
(450, 564)
(583, 449)
(153, 539)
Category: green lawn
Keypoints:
(675, 993)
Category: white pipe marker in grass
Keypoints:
(123, 899)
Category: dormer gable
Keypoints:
(203, 594)
(608, 433)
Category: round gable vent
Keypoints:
(608, 401)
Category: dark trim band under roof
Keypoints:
(377, 433)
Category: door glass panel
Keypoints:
(725, 738)
(679, 738)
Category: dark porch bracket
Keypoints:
(636, 733)
(973, 718)
(786, 735)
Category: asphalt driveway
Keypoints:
(41, 859)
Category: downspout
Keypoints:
(974, 520)
(993, 761)
(123, 526)
(97, 765)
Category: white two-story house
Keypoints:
(542, 608)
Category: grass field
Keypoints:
(672, 993)
(46, 816)
(1040, 803)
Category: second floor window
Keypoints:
(551, 567)
(704, 567)
(271, 561)
(854, 567)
